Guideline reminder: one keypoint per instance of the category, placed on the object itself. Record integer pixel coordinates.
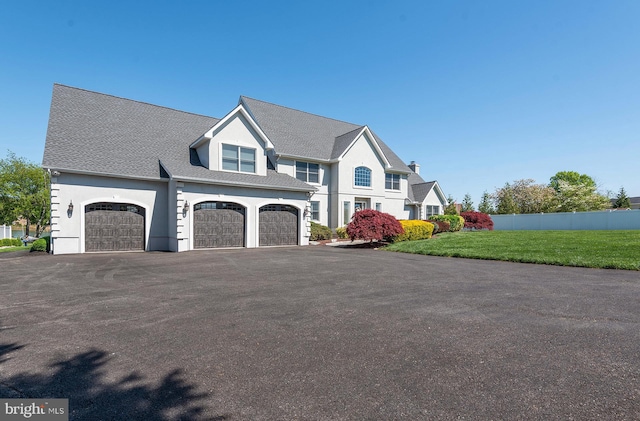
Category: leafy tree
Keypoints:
(486, 205)
(451, 207)
(571, 177)
(577, 192)
(622, 200)
(523, 196)
(467, 203)
(24, 193)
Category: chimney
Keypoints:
(415, 167)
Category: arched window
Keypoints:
(362, 177)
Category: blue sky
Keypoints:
(478, 93)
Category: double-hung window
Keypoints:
(237, 158)
(307, 172)
(392, 181)
(315, 211)
(362, 177)
(432, 210)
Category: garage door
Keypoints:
(218, 224)
(278, 225)
(113, 227)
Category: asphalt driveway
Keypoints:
(318, 333)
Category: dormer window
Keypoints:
(362, 177)
(239, 159)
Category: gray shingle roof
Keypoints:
(301, 134)
(98, 133)
(273, 179)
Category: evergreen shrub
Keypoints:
(319, 232)
(415, 230)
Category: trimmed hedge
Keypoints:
(477, 221)
(440, 226)
(39, 245)
(456, 221)
(341, 232)
(369, 225)
(414, 230)
(319, 232)
(11, 242)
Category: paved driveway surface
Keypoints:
(318, 333)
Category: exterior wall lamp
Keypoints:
(70, 209)
(185, 209)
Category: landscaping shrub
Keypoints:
(319, 232)
(369, 225)
(11, 242)
(39, 245)
(443, 226)
(477, 221)
(456, 222)
(415, 230)
(341, 232)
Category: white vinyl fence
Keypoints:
(5, 231)
(602, 220)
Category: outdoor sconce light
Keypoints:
(70, 209)
(185, 209)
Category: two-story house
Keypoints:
(127, 175)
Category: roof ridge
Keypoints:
(133, 100)
(351, 131)
(304, 112)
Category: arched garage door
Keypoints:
(278, 225)
(113, 227)
(218, 224)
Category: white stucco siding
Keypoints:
(252, 200)
(236, 131)
(67, 230)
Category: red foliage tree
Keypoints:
(477, 220)
(369, 225)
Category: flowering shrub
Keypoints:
(415, 230)
(369, 225)
(477, 221)
(456, 221)
(440, 226)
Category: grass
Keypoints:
(593, 249)
(10, 249)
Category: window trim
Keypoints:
(239, 160)
(370, 175)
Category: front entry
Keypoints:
(218, 224)
(278, 225)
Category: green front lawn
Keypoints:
(594, 249)
(8, 249)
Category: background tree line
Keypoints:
(567, 191)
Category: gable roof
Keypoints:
(419, 189)
(300, 134)
(98, 133)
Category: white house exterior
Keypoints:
(127, 175)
